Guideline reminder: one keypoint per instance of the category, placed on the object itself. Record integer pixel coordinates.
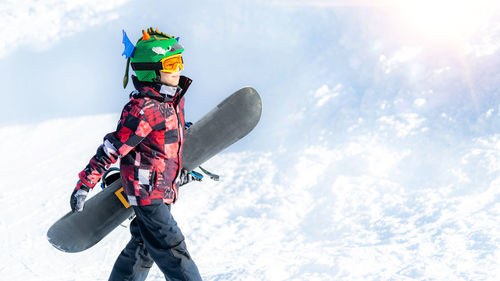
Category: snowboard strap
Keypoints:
(211, 175)
(113, 173)
(197, 175)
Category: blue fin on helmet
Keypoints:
(129, 47)
(177, 39)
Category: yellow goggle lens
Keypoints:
(172, 63)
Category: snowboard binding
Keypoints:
(111, 175)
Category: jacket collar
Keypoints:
(161, 91)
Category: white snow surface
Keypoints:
(349, 211)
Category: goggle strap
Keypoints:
(147, 66)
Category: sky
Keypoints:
(377, 153)
(282, 48)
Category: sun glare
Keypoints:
(446, 19)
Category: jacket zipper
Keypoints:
(179, 160)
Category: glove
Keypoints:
(187, 177)
(77, 199)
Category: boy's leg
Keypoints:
(134, 261)
(165, 242)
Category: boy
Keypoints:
(148, 140)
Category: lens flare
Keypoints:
(446, 19)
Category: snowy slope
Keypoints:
(322, 212)
(377, 156)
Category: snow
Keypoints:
(377, 156)
(332, 212)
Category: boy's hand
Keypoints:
(187, 177)
(77, 199)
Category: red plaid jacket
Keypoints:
(148, 140)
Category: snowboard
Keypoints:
(228, 122)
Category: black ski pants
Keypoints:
(155, 238)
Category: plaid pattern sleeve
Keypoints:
(132, 129)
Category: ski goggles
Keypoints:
(168, 64)
(172, 63)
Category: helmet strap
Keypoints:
(125, 78)
(157, 79)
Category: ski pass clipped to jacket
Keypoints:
(149, 140)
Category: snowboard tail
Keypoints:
(228, 122)
(78, 231)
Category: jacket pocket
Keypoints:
(147, 179)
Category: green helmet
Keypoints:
(150, 49)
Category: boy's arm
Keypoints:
(132, 129)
